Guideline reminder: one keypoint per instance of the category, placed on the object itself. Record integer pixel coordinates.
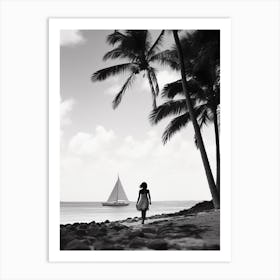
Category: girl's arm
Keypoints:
(138, 197)
(149, 196)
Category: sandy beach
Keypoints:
(197, 228)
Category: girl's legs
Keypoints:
(143, 216)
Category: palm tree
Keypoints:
(192, 115)
(201, 50)
(135, 46)
(205, 107)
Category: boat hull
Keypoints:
(115, 204)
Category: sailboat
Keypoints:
(117, 196)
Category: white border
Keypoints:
(55, 25)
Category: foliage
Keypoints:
(137, 48)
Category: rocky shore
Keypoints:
(197, 228)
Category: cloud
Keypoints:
(86, 144)
(71, 37)
(93, 160)
(66, 107)
(136, 149)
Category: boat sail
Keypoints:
(117, 196)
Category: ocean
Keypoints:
(72, 212)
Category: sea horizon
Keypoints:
(100, 201)
(88, 211)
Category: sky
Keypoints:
(98, 143)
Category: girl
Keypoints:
(143, 201)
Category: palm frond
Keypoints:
(127, 84)
(103, 74)
(115, 37)
(172, 107)
(172, 89)
(166, 58)
(174, 126)
(119, 53)
(137, 41)
(156, 44)
(204, 115)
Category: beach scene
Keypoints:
(140, 140)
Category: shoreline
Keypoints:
(196, 228)
(86, 212)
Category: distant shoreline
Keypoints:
(130, 201)
(197, 228)
(86, 212)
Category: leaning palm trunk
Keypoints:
(216, 126)
(209, 175)
(152, 90)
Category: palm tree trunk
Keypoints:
(216, 126)
(209, 175)
(152, 90)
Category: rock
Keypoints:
(63, 231)
(81, 232)
(149, 229)
(199, 207)
(100, 245)
(97, 231)
(112, 247)
(118, 227)
(105, 239)
(93, 231)
(124, 241)
(137, 242)
(75, 225)
(175, 235)
(135, 233)
(90, 239)
(150, 235)
(103, 230)
(77, 245)
(117, 239)
(83, 226)
(158, 244)
(68, 227)
(66, 239)
(93, 225)
(165, 231)
(187, 243)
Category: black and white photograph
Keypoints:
(140, 155)
(139, 140)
